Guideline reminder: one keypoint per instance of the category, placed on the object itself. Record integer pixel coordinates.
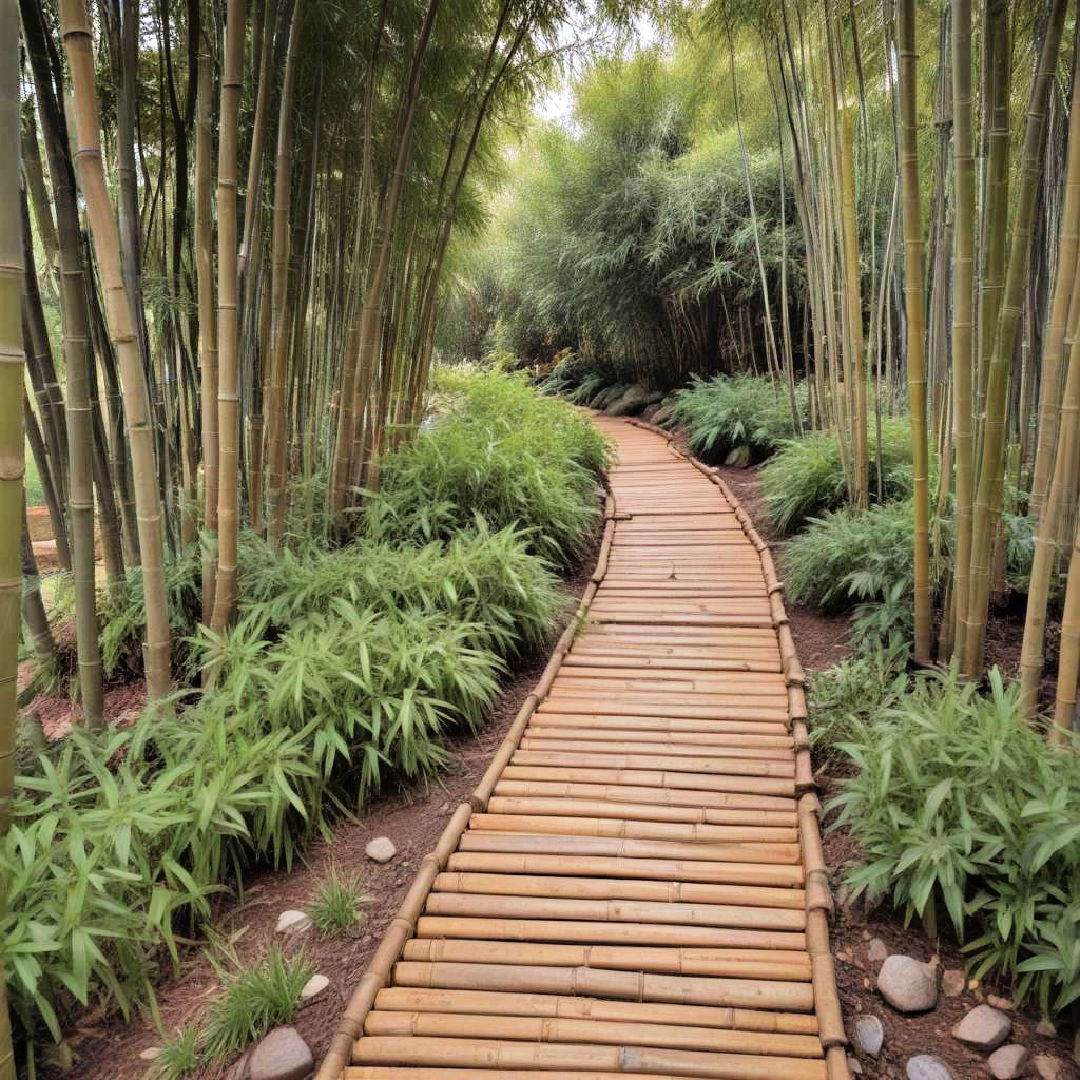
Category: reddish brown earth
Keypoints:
(108, 1049)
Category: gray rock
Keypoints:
(151, 1053)
(292, 922)
(314, 987)
(661, 416)
(908, 984)
(877, 952)
(1008, 1062)
(854, 1066)
(632, 401)
(739, 457)
(381, 849)
(870, 1035)
(985, 1028)
(607, 395)
(928, 1067)
(282, 1055)
(953, 982)
(1048, 1068)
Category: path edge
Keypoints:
(819, 901)
(377, 973)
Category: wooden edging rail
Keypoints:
(763, 964)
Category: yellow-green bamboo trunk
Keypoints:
(122, 324)
(12, 363)
(913, 305)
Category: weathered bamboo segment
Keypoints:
(637, 885)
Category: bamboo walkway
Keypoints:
(637, 885)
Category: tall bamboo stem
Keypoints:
(78, 46)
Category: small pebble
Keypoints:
(870, 1035)
(381, 849)
(292, 922)
(928, 1067)
(151, 1053)
(985, 1028)
(908, 984)
(1048, 1068)
(952, 982)
(314, 986)
(1008, 1062)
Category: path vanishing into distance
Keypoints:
(637, 885)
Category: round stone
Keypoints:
(984, 1028)
(870, 1035)
(381, 849)
(292, 922)
(928, 1067)
(282, 1055)
(314, 987)
(908, 984)
(1008, 1062)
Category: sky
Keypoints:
(558, 103)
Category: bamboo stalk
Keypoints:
(427, 1052)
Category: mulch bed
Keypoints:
(107, 1048)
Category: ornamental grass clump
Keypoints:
(965, 813)
(738, 418)
(339, 904)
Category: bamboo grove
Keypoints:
(982, 131)
(239, 215)
(874, 205)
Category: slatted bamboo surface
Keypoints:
(637, 885)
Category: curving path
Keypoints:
(637, 887)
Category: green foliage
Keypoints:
(343, 668)
(962, 809)
(253, 1000)
(178, 1057)
(806, 477)
(506, 455)
(848, 695)
(339, 904)
(724, 415)
(850, 555)
(627, 234)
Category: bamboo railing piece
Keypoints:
(637, 885)
(559, 1029)
(672, 892)
(582, 1007)
(703, 871)
(707, 976)
(433, 1052)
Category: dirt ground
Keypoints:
(413, 819)
(108, 1049)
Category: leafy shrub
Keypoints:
(848, 694)
(507, 455)
(747, 413)
(339, 905)
(961, 808)
(849, 555)
(806, 476)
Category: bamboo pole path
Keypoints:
(637, 885)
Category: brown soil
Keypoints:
(108, 1049)
(821, 642)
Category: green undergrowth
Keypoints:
(964, 815)
(344, 668)
(805, 478)
(251, 1002)
(507, 455)
(740, 418)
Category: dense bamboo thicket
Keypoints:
(876, 210)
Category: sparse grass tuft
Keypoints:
(253, 1001)
(179, 1056)
(339, 904)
